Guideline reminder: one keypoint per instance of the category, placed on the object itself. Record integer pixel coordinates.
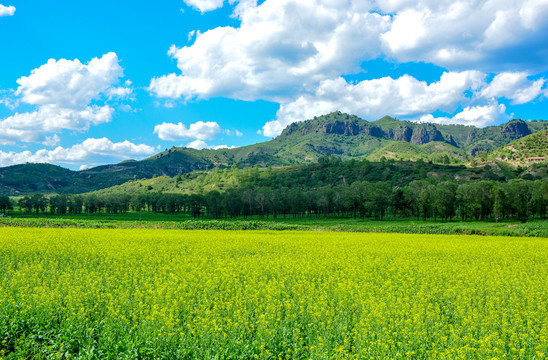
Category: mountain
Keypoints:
(346, 136)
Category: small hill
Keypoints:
(518, 151)
(436, 151)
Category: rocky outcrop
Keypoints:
(515, 130)
(426, 133)
(450, 140)
(401, 133)
(471, 136)
(343, 128)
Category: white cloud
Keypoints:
(479, 116)
(375, 98)
(69, 83)
(33, 126)
(10, 103)
(200, 144)
(407, 31)
(63, 92)
(234, 132)
(533, 13)
(119, 92)
(7, 10)
(286, 48)
(52, 140)
(90, 151)
(197, 144)
(514, 86)
(486, 34)
(295, 52)
(218, 147)
(282, 48)
(205, 5)
(199, 130)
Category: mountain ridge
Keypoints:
(344, 135)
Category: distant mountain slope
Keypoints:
(534, 145)
(328, 172)
(436, 151)
(346, 136)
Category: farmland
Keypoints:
(145, 293)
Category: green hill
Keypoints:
(343, 135)
(534, 145)
(436, 151)
(329, 171)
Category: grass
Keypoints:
(168, 294)
(535, 228)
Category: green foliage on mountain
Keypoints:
(328, 171)
(534, 145)
(436, 151)
(343, 135)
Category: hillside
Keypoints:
(436, 151)
(343, 135)
(329, 171)
(534, 145)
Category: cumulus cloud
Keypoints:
(374, 98)
(33, 126)
(205, 5)
(200, 144)
(7, 10)
(52, 140)
(286, 48)
(480, 116)
(119, 92)
(199, 130)
(90, 151)
(281, 48)
(514, 86)
(197, 144)
(296, 53)
(467, 33)
(63, 92)
(69, 83)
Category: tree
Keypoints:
(521, 194)
(39, 203)
(5, 204)
(499, 197)
(444, 200)
(26, 204)
(378, 198)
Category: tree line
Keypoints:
(420, 199)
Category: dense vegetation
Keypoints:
(157, 294)
(328, 188)
(343, 135)
(534, 145)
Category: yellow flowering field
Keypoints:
(169, 294)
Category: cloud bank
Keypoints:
(297, 53)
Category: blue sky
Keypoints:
(83, 84)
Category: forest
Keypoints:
(329, 188)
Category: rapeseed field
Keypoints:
(169, 294)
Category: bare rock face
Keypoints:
(343, 128)
(515, 130)
(401, 133)
(426, 133)
(471, 136)
(450, 140)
